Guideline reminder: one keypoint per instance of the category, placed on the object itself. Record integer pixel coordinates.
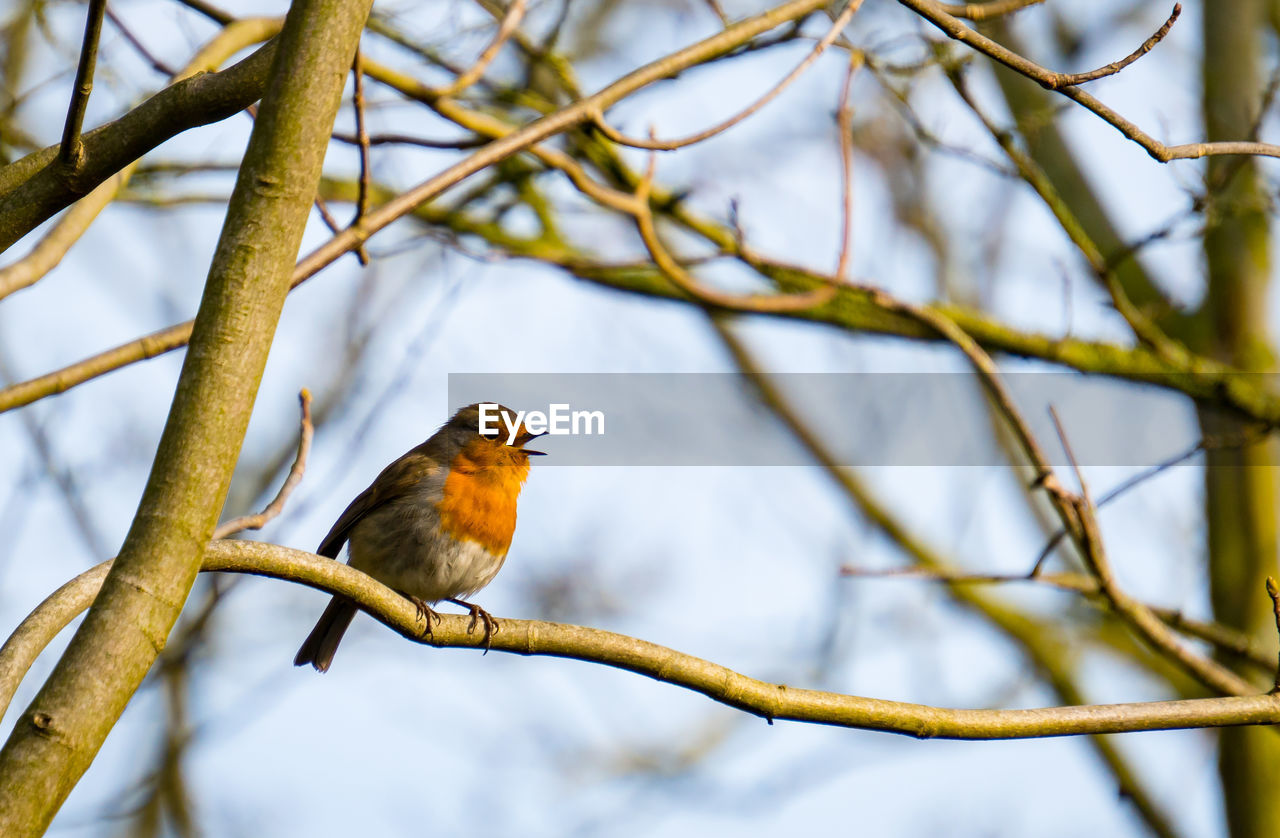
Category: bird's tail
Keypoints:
(323, 641)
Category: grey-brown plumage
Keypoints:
(435, 524)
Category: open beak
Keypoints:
(531, 438)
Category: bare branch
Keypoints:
(1273, 591)
(1135, 614)
(677, 274)
(48, 252)
(71, 153)
(383, 215)
(597, 115)
(954, 28)
(844, 127)
(1143, 327)
(273, 509)
(139, 47)
(1045, 651)
(405, 139)
(986, 11)
(1077, 516)
(362, 139)
(1066, 80)
(1250, 437)
(529, 637)
(473, 73)
(208, 10)
(717, 10)
(1071, 458)
(35, 187)
(1221, 637)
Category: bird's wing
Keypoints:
(395, 481)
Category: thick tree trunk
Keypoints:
(58, 736)
(1240, 485)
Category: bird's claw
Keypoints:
(478, 615)
(425, 613)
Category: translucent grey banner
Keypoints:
(864, 419)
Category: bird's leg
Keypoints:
(425, 612)
(478, 614)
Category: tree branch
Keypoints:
(354, 236)
(57, 737)
(71, 153)
(837, 26)
(532, 637)
(49, 251)
(986, 11)
(1063, 83)
(34, 188)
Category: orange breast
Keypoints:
(480, 495)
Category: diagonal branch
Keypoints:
(1048, 653)
(354, 236)
(1061, 82)
(1069, 79)
(472, 74)
(34, 188)
(841, 21)
(49, 251)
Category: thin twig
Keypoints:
(672, 269)
(1077, 515)
(63, 476)
(148, 56)
(1250, 437)
(273, 509)
(1273, 591)
(988, 374)
(956, 576)
(1034, 176)
(329, 221)
(978, 12)
(1144, 622)
(842, 20)
(936, 14)
(1114, 67)
(1224, 638)
(405, 139)
(1071, 457)
(1138, 616)
(72, 151)
(1213, 383)
(716, 10)
(362, 135)
(1221, 637)
(515, 13)
(210, 11)
(844, 127)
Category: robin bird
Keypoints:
(435, 524)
